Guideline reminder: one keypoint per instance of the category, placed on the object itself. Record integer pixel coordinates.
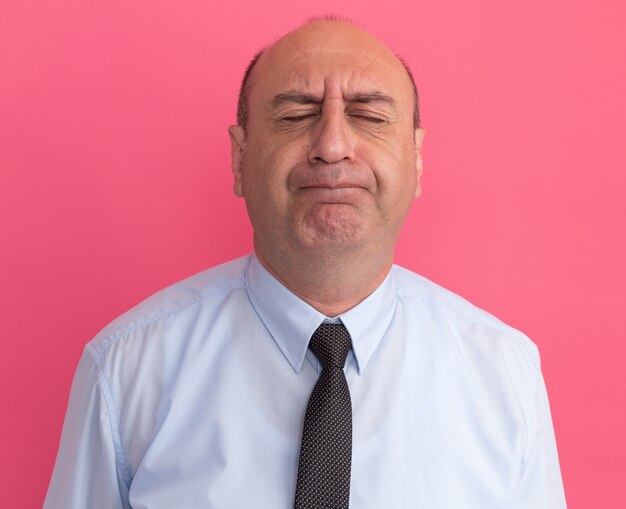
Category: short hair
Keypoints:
(244, 90)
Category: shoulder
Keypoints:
(208, 288)
(496, 358)
(471, 328)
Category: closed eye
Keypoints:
(298, 118)
(374, 120)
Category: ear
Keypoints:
(237, 147)
(419, 140)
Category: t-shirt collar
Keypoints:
(291, 321)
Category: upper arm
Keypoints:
(540, 485)
(87, 471)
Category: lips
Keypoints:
(332, 178)
(333, 185)
(331, 196)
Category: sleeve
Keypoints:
(86, 472)
(540, 485)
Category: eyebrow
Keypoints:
(295, 97)
(304, 98)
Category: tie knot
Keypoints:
(331, 343)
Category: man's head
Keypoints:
(327, 153)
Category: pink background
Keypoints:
(115, 181)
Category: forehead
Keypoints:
(329, 58)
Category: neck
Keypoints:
(330, 284)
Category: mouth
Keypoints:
(332, 178)
(334, 186)
(333, 194)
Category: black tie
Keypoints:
(326, 451)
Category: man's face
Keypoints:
(330, 159)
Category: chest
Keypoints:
(420, 439)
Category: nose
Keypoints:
(333, 137)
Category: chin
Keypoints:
(334, 236)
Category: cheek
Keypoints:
(395, 170)
(266, 171)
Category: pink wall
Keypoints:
(114, 181)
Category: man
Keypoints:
(314, 373)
